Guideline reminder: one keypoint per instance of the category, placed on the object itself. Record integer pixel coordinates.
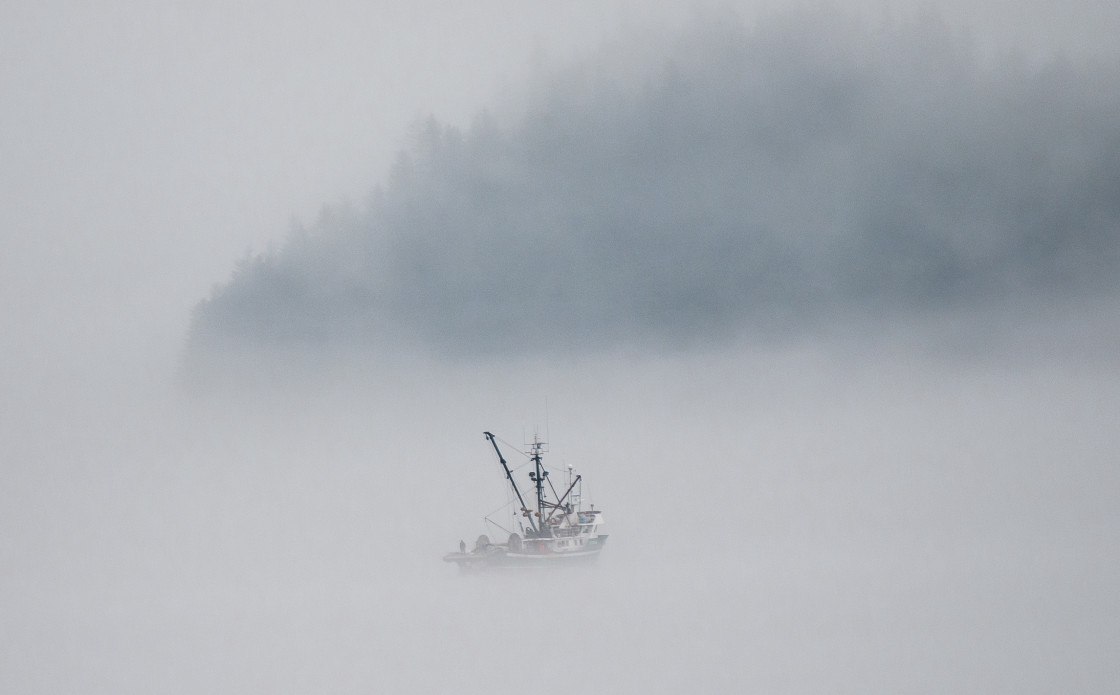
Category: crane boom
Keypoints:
(509, 476)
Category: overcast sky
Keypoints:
(914, 505)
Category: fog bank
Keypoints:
(725, 182)
(830, 516)
(823, 308)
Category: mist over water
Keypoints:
(904, 497)
(843, 514)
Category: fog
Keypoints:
(731, 179)
(887, 466)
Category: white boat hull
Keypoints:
(501, 557)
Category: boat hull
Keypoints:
(501, 557)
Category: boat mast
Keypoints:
(509, 476)
(538, 478)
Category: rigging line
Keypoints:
(512, 446)
(499, 509)
(494, 523)
(554, 493)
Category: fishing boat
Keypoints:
(559, 532)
